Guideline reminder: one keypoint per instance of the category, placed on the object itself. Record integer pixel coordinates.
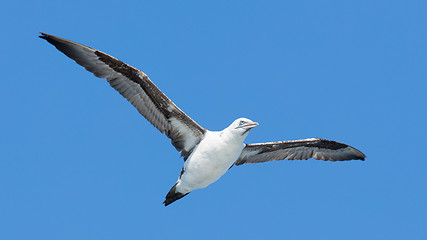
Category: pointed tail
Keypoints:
(173, 195)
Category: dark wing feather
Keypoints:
(316, 148)
(138, 89)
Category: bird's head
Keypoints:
(242, 126)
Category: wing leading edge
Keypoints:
(320, 149)
(139, 90)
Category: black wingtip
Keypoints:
(47, 37)
(43, 35)
(360, 157)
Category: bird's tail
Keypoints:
(173, 195)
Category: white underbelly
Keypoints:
(208, 163)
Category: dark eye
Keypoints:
(242, 122)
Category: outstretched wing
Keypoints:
(138, 89)
(316, 148)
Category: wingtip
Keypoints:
(49, 37)
(358, 154)
(362, 158)
(43, 35)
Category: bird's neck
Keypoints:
(232, 138)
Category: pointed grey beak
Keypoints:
(250, 125)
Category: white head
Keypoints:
(241, 127)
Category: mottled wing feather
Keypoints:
(138, 89)
(316, 148)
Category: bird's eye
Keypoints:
(242, 122)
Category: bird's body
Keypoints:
(207, 154)
(211, 159)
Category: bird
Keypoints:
(207, 155)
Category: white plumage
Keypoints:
(207, 154)
(211, 159)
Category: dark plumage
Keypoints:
(207, 154)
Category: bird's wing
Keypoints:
(316, 148)
(138, 89)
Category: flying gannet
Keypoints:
(207, 154)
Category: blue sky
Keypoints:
(78, 162)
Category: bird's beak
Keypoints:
(250, 125)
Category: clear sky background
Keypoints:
(79, 162)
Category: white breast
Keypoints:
(211, 159)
